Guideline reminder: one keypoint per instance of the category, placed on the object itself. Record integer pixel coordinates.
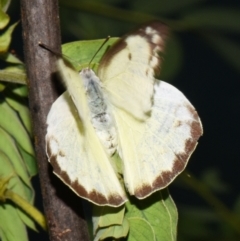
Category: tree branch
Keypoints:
(40, 21)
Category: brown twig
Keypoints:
(40, 22)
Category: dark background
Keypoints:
(210, 80)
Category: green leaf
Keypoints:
(4, 4)
(81, 52)
(19, 105)
(14, 183)
(27, 220)
(10, 122)
(20, 90)
(214, 18)
(11, 224)
(6, 37)
(104, 216)
(140, 230)
(115, 231)
(17, 186)
(109, 222)
(10, 58)
(13, 77)
(2, 235)
(159, 211)
(153, 218)
(7, 146)
(4, 19)
(30, 162)
(2, 87)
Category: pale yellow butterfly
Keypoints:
(149, 123)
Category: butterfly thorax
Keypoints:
(101, 118)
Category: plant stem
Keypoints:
(27, 208)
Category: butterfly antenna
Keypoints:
(44, 46)
(58, 54)
(105, 41)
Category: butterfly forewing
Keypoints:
(127, 70)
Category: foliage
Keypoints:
(17, 159)
(217, 26)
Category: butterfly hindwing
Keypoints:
(156, 151)
(73, 148)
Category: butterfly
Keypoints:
(121, 110)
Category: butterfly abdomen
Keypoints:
(101, 118)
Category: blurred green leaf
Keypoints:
(20, 90)
(104, 10)
(6, 38)
(4, 4)
(2, 87)
(213, 18)
(10, 58)
(237, 206)
(19, 77)
(163, 6)
(228, 49)
(2, 234)
(211, 177)
(193, 228)
(4, 19)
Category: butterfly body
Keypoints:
(101, 117)
(151, 124)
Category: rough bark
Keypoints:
(40, 22)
